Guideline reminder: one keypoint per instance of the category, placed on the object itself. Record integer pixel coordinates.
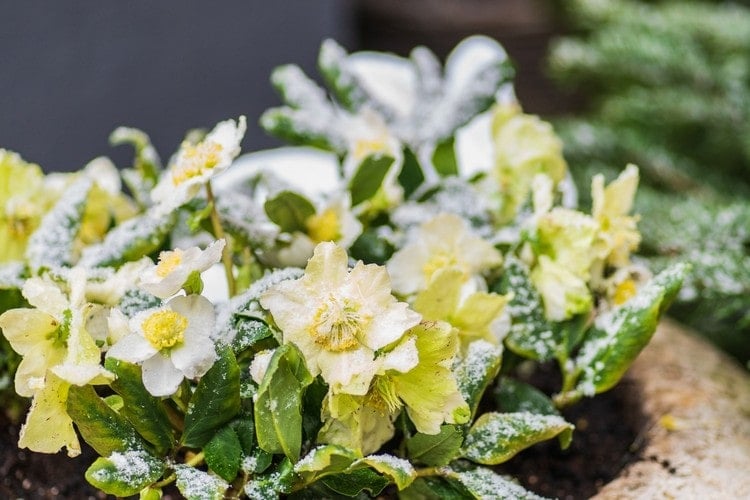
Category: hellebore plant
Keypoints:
(324, 320)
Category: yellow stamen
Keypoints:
(168, 261)
(324, 227)
(624, 291)
(441, 260)
(195, 160)
(165, 329)
(366, 147)
(337, 325)
(382, 396)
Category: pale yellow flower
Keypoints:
(21, 209)
(175, 267)
(339, 318)
(446, 241)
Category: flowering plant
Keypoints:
(324, 320)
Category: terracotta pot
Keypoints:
(696, 427)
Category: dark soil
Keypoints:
(605, 441)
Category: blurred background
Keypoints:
(663, 84)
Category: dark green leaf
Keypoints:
(371, 248)
(125, 473)
(278, 405)
(198, 216)
(144, 412)
(484, 484)
(352, 483)
(497, 437)
(369, 177)
(301, 126)
(343, 84)
(531, 335)
(618, 336)
(514, 396)
(245, 429)
(102, 428)
(249, 331)
(434, 488)
(290, 211)
(273, 483)
(411, 175)
(444, 158)
(398, 470)
(438, 449)
(223, 453)
(477, 370)
(215, 402)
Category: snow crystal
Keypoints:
(11, 275)
(194, 483)
(486, 485)
(130, 468)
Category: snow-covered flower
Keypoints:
(170, 342)
(563, 292)
(446, 241)
(339, 318)
(194, 164)
(175, 267)
(417, 379)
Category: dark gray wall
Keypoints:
(71, 71)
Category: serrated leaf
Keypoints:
(354, 482)
(368, 177)
(125, 473)
(411, 175)
(289, 210)
(215, 402)
(51, 245)
(131, 240)
(437, 449)
(195, 484)
(619, 336)
(531, 335)
(444, 158)
(102, 428)
(477, 370)
(278, 404)
(323, 461)
(399, 471)
(484, 484)
(497, 437)
(144, 412)
(514, 396)
(223, 453)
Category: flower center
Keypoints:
(168, 261)
(382, 396)
(336, 324)
(165, 329)
(624, 291)
(195, 160)
(324, 227)
(441, 260)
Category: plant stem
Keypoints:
(196, 460)
(226, 254)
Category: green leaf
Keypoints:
(215, 402)
(343, 84)
(399, 471)
(273, 483)
(256, 462)
(51, 245)
(278, 404)
(477, 370)
(198, 215)
(195, 484)
(619, 336)
(371, 248)
(289, 211)
(444, 158)
(244, 427)
(249, 331)
(353, 483)
(125, 473)
(411, 175)
(434, 488)
(303, 126)
(484, 484)
(223, 453)
(102, 428)
(531, 335)
(437, 449)
(369, 177)
(497, 437)
(144, 412)
(131, 240)
(324, 461)
(514, 396)
(296, 89)
(146, 161)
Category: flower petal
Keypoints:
(194, 357)
(160, 377)
(132, 348)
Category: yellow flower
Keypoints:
(445, 241)
(339, 318)
(20, 210)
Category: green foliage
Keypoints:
(289, 211)
(125, 473)
(368, 178)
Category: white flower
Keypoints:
(259, 365)
(194, 164)
(175, 267)
(339, 318)
(170, 342)
(446, 241)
